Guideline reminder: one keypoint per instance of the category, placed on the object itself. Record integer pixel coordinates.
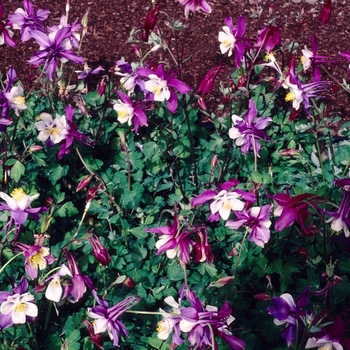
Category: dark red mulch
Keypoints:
(111, 21)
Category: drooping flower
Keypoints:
(202, 249)
(291, 209)
(5, 33)
(247, 131)
(28, 20)
(231, 39)
(257, 221)
(224, 200)
(130, 80)
(17, 307)
(289, 313)
(325, 14)
(18, 204)
(341, 219)
(195, 321)
(173, 241)
(129, 112)
(159, 84)
(194, 5)
(53, 50)
(107, 318)
(95, 338)
(100, 252)
(36, 258)
(15, 99)
(269, 37)
(54, 290)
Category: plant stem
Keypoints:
(13, 258)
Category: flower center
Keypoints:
(160, 326)
(37, 260)
(290, 96)
(123, 113)
(20, 307)
(18, 194)
(303, 59)
(54, 131)
(227, 205)
(18, 100)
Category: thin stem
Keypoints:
(319, 156)
(185, 274)
(13, 258)
(240, 253)
(47, 316)
(255, 154)
(212, 336)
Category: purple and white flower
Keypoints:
(194, 5)
(5, 33)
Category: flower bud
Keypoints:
(289, 152)
(302, 252)
(214, 162)
(262, 296)
(325, 14)
(129, 282)
(206, 84)
(84, 183)
(95, 338)
(202, 104)
(222, 282)
(49, 202)
(100, 252)
(242, 81)
(102, 87)
(35, 148)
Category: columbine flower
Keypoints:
(100, 252)
(5, 33)
(95, 338)
(194, 5)
(15, 99)
(54, 290)
(36, 258)
(224, 200)
(173, 241)
(150, 21)
(231, 39)
(290, 209)
(159, 85)
(256, 220)
(53, 50)
(51, 131)
(325, 14)
(61, 130)
(18, 204)
(202, 250)
(28, 20)
(87, 71)
(206, 84)
(106, 318)
(170, 322)
(289, 313)
(17, 307)
(269, 37)
(130, 80)
(341, 219)
(247, 131)
(129, 112)
(196, 321)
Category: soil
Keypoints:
(111, 21)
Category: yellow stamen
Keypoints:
(18, 194)
(37, 260)
(123, 113)
(290, 96)
(227, 205)
(157, 90)
(303, 59)
(160, 326)
(54, 131)
(18, 100)
(21, 307)
(226, 43)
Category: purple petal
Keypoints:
(206, 196)
(179, 85)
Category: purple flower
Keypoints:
(28, 20)
(290, 209)
(130, 81)
(100, 252)
(18, 204)
(36, 258)
(206, 84)
(224, 201)
(231, 39)
(129, 112)
(17, 307)
(202, 250)
(173, 241)
(5, 33)
(341, 219)
(170, 322)
(106, 318)
(87, 71)
(247, 131)
(195, 321)
(269, 37)
(159, 84)
(256, 220)
(60, 130)
(194, 5)
(289, 313)
(95, 338)
(53, 50)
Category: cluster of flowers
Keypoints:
(201, 324)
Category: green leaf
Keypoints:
(57, 173)
(67, 209)
(17, 171)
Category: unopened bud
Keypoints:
(91, 193)
(242, 81)
(40, 288)
(49, 202)
(214, 161)
(102, 87)
(289, 152)
(202, 104)
(84, 183)
(35, 148)
(221, 282)
(262, 296)
(129, 282)
(302, 252)
(136, 50)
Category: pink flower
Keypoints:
(194, 5)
